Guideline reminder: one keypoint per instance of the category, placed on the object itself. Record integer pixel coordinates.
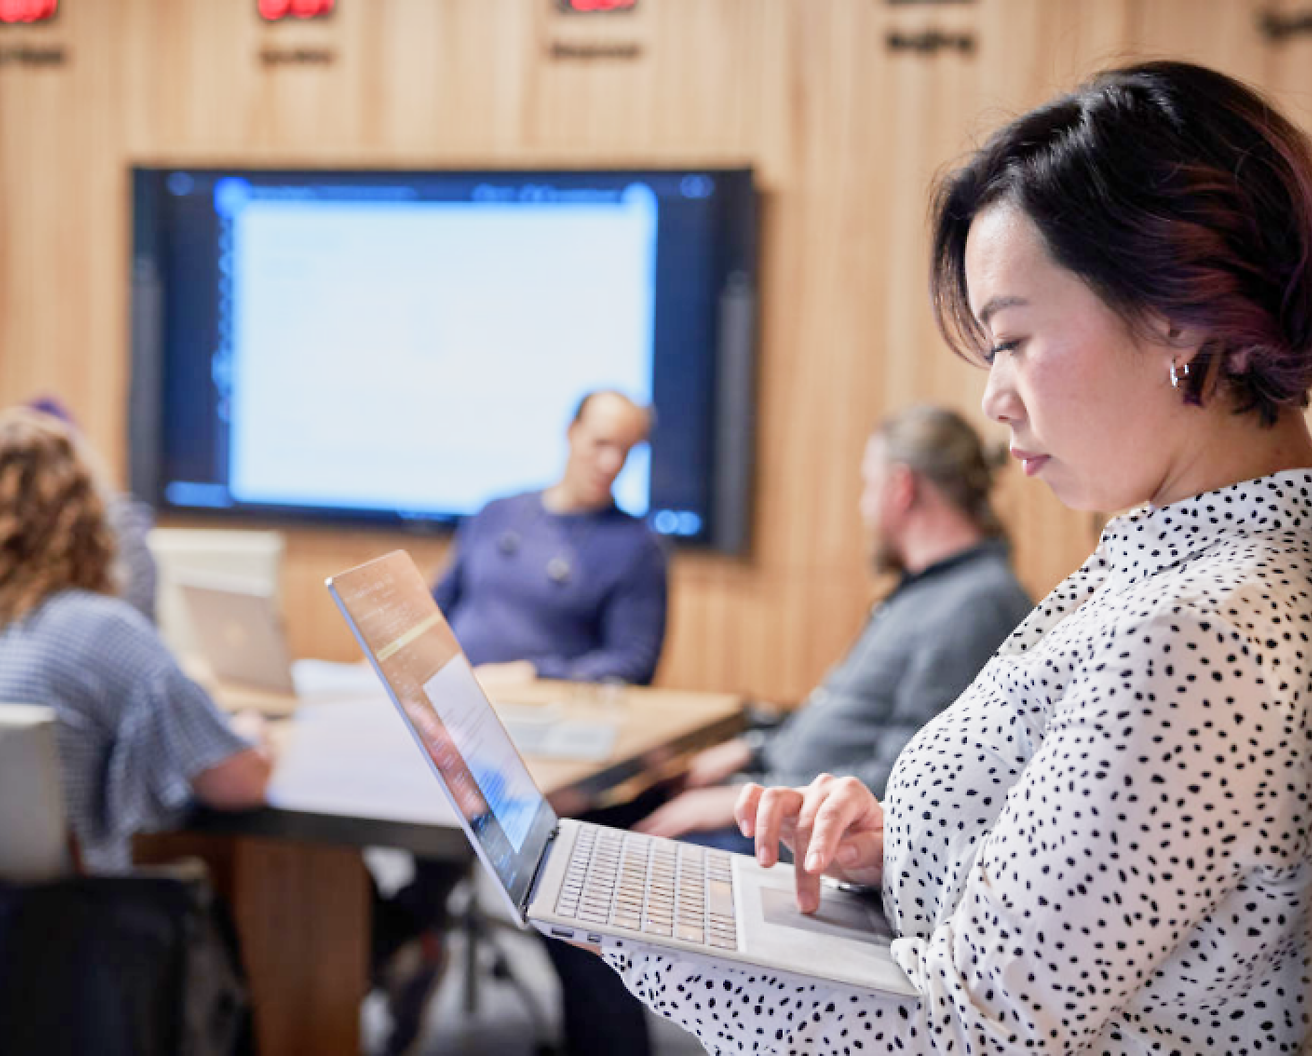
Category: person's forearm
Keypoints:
(632, 631)
(624, 665)
(239, 782)
(629, 651)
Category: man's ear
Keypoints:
(902, 486)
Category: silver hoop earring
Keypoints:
(1178, 373)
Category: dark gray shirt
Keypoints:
(921, 648)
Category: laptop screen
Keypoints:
(394, 617)
(237, 627)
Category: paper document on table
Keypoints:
(318, 679)
(356, 759)
(549, 737)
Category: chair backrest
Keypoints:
(202, 554)
(142, 965)
(33, 828)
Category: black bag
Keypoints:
(142, 965)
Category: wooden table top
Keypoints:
(349, 772)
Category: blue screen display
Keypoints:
(399, 348)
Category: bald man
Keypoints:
(561, 583)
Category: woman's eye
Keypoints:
(1002, 346)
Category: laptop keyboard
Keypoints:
(650, 886)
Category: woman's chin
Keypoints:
(1074, 496)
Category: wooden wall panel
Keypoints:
(62, 223)
(1287, 65)
(844, 133)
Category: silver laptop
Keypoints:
(578, 881)
(237, 628)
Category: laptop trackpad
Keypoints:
(841, 915)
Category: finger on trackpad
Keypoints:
(842, 915)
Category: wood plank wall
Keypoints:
(844, 134)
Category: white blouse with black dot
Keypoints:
(1103, 845)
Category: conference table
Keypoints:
(349, 776)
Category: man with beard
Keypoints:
(925, 504)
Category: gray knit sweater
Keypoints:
(922, 646)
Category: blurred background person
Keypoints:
(925, 504)
(562, 583)
(139, 742)
(130, 520)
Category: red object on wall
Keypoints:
(27, 10)
(587, 7)
(277, 10)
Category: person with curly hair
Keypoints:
(130, 519)
(139, 742)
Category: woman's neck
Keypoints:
(1237, 447)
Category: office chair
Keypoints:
(479, 929)
(138, 965)
(414, 973)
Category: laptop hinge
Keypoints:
(537, 873)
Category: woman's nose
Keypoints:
(1000, 401)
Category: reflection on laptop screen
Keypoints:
(487, 753)
(398, 625)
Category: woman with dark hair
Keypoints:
(138, 740)
(1103, 845)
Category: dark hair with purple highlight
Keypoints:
(1171, 190)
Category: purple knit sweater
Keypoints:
(583, 596)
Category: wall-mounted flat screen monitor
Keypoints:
(396, 348)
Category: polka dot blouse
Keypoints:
(1103, 845)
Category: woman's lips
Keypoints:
(1030, 462)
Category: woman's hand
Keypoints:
(834, 825)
